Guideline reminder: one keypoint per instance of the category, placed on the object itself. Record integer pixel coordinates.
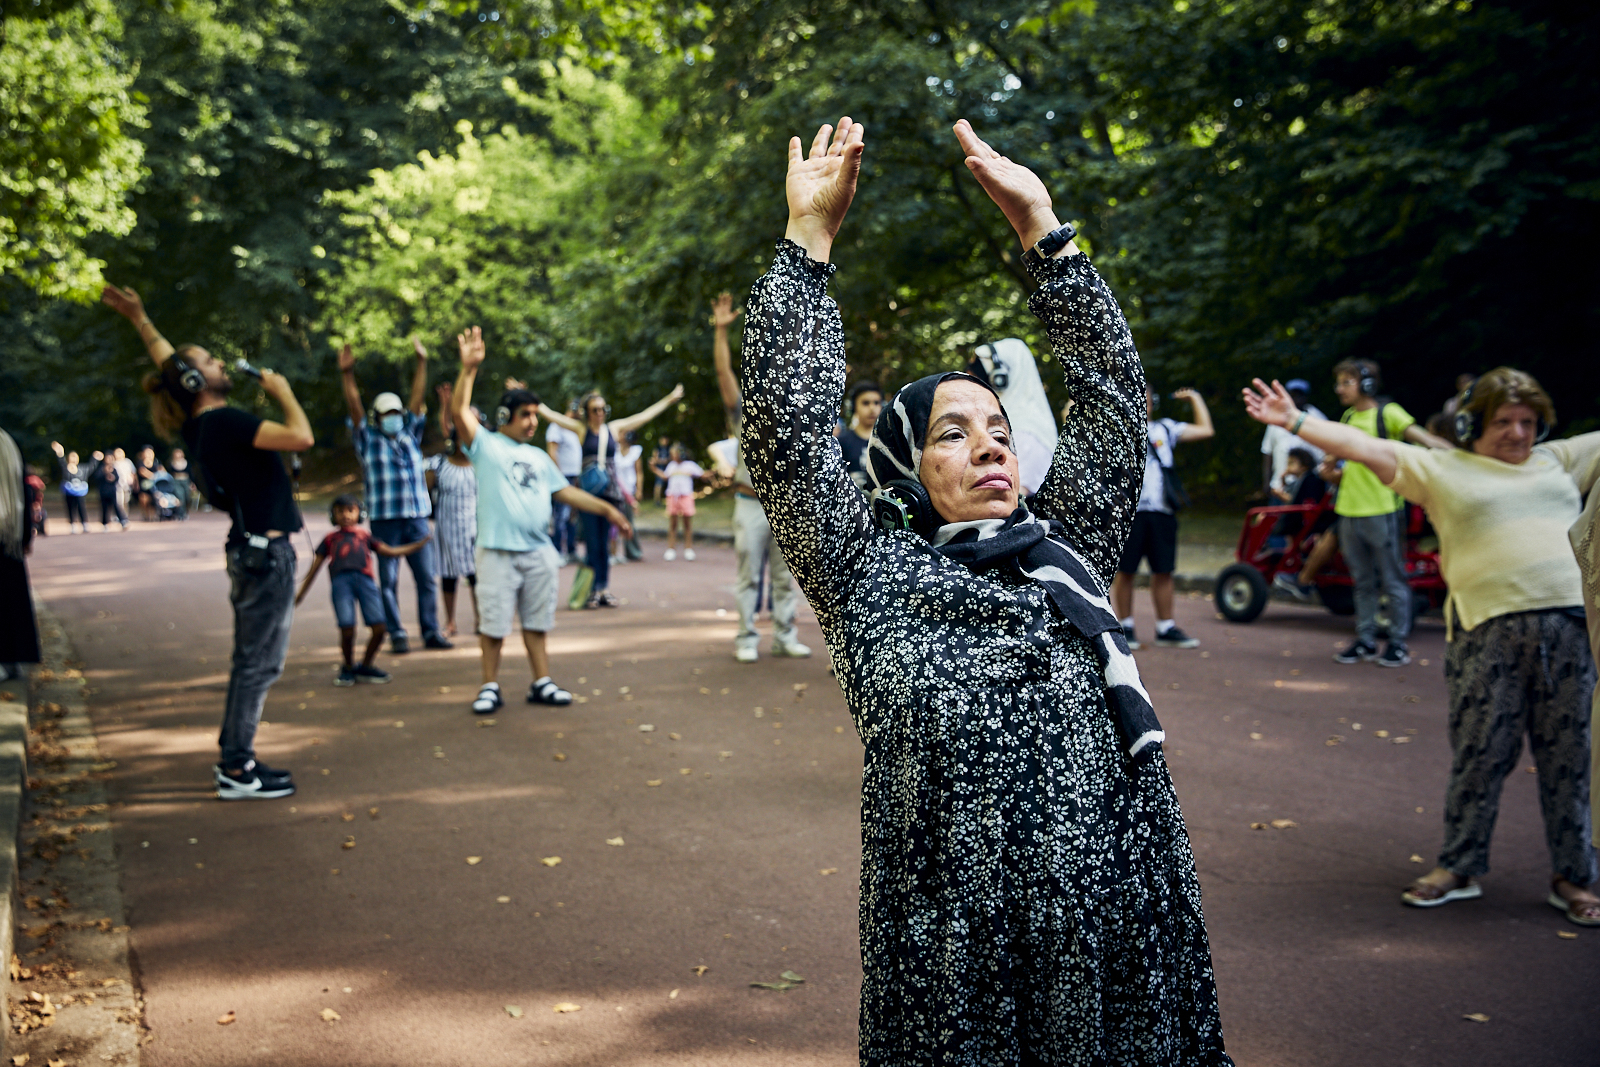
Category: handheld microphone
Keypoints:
(243, 366)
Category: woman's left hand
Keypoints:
(820, 187)
(1270, 404)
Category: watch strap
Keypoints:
(1048, 245)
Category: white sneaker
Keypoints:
(793, 649)
(670, 554)
(746, 654)
(688, 554)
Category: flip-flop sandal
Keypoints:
(488, 700)
(548, 692)
(1556, 900)
(1470, 891)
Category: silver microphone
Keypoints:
(243, 366)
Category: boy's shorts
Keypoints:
(350, 587)
(517, 585)
(681, 505)
(1154, 537)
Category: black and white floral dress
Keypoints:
(1028, 893)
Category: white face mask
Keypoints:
(391, 424)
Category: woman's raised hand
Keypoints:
(1015, 189)
(820, 186)
(471, 345)
(1269, 403)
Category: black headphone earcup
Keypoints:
(1466, 427)
(502, 415)
(905, 505)
(1542, 432)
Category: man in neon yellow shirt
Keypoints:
(1372, 528)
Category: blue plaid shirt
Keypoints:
(393, 468)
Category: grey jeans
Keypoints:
(1374, 549)
(752, 540)
(263, 608)
(1527, 673)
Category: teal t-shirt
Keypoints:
(514, 486)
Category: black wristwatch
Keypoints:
(1047, 246)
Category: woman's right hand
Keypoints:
(1015, 189)
(472, 352)
(1270, 404)
(820, 187)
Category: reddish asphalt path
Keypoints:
(237, 907)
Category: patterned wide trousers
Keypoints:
(1525, 673)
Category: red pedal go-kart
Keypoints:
(1277, 539)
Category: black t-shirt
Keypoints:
(852, 446)
(232, 470)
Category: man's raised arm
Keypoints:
(472, 356)
(347, 382)
(722, 316)
(126, 302)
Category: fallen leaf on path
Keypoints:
(646, 728)
(1380, 733)
(551, 861)
(675, 737)
(614, 842)
(560, 757)
(55, 1063)
(800, 687)
(444, 689)
(672, 995)
(514, 1011)
(1259, 826)
(724, 755)
(566, 1006)
(226, 1020)
(326, 771)
(1255, 737)
(482, 723)
(22, 1059)
(1336, 739)
(347, 817)
(704, 690)
(502, 900)
(652, 783)
(685, 770)
(1566, 935)
(1284, 824)
(399, 726)
(828, 870)
(1416, 858)
(790, 976)
(349, 842)
(780, 987)
(838, 729)
(372, 813)
(330, 1016)
(1401, 741)
(1477, 1017)
(699, 971)
(473, 861)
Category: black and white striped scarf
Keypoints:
(1038, 552)
(1035, 548)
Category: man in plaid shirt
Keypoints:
(397, 496)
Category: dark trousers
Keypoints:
(76, 512)
(110, 504)
(1528, 673)
(263, 608)
(397, 532)
(597, 542)
(564, 525)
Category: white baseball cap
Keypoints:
(385, 403)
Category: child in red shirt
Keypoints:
(351, 554)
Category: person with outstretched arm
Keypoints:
(235, 453)
(518, 568)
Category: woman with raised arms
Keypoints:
(1028, 893)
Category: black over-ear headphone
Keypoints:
(1368, 381)
(502, 415)
(1469, 424)
(905, 505)
(192, 380)
(361, 505)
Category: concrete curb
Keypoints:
(73, 953)
(13, 779)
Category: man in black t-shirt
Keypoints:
(237, 467)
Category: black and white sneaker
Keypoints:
(1174, 637)
(544, 691)
(1395, 654)
(253, 781)
(1133, 642)
(371, 675)
(345, 677)
(1287, 583)
(1358, 652)
(488, 700)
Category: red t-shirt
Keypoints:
(350, 550)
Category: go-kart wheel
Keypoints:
(1241, 592)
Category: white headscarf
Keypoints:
(1015, 374)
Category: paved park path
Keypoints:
(722, 847)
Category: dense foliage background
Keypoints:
(1270, 186)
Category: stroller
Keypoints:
(168, 498)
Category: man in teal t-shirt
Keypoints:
(1372, 527)
(518, 568)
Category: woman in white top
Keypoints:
(1518, 659)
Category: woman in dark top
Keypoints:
(598, 426)
(1028, 893)
(149, 466)
(74, 487)
(19, 632)
(108, 479)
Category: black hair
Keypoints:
(512, 400)
(863, 387)
(1307, 460)
(345, 500)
